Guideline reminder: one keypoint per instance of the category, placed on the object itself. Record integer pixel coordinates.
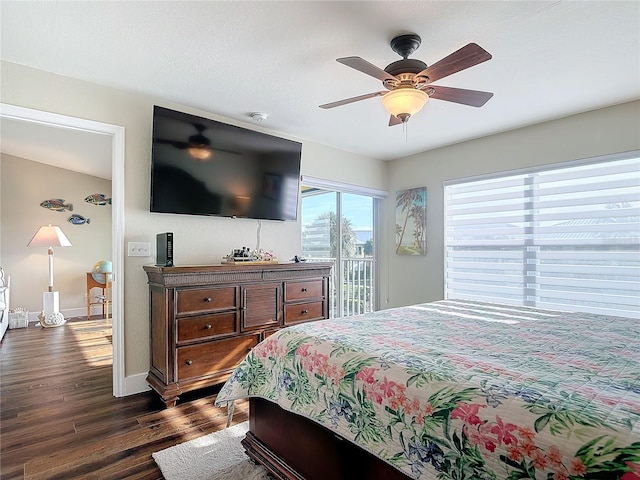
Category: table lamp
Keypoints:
(50, 236)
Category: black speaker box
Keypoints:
(164, 249)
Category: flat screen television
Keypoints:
(203, 167)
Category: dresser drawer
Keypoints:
(303, 312)
(202, 300)
(204, 326)
(213, 357)
(303, 290)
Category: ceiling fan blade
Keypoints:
(393, 120)
(173, 143)
(363, 66)
(473, 98)
(233, 152)
(468, 56)
(184, 145)
(346, 101)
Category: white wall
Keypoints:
(408, 279)
(24, 185)
(198, 240)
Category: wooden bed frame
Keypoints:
(292, 447)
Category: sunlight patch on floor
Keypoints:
(97, 350)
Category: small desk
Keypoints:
(103, 299)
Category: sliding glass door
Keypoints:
(340, 227)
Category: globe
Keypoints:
(102, 271)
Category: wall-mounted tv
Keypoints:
(203, 167)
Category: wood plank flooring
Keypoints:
(59, 419)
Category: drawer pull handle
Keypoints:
(304, 289)
(189, 362)
(207, 326)
(207, 299)
(304, 312)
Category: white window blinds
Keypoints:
(564, 238)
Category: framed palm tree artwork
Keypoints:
(411, 221)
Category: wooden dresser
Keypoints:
(204, 319)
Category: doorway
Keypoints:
(117, 221)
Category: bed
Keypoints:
(446, 390)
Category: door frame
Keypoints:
(117, 134)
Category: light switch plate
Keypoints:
(139, 249)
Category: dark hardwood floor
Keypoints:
(59, 419)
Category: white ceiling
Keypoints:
(77, 150)
(550, 59)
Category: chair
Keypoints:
(102, 299)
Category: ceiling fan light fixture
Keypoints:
(404, 102)
(199, 153)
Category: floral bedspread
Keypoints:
(464, 390)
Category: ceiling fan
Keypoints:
(198, 146)
(409, 81)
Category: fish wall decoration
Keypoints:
(57, 205)
(76, 219)
(98, 199)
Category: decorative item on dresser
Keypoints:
(204, 319)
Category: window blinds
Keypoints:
(564, 238)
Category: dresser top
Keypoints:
(236, 266)
(234, 272)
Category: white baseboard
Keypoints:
(135, 384)
(96, 312)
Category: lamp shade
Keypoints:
(404, 102)
(49, 236)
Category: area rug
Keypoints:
(216, 456)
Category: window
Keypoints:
(560, 237)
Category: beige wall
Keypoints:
(407, 279)
(198, 240)
(24, 185)
(404, 280)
